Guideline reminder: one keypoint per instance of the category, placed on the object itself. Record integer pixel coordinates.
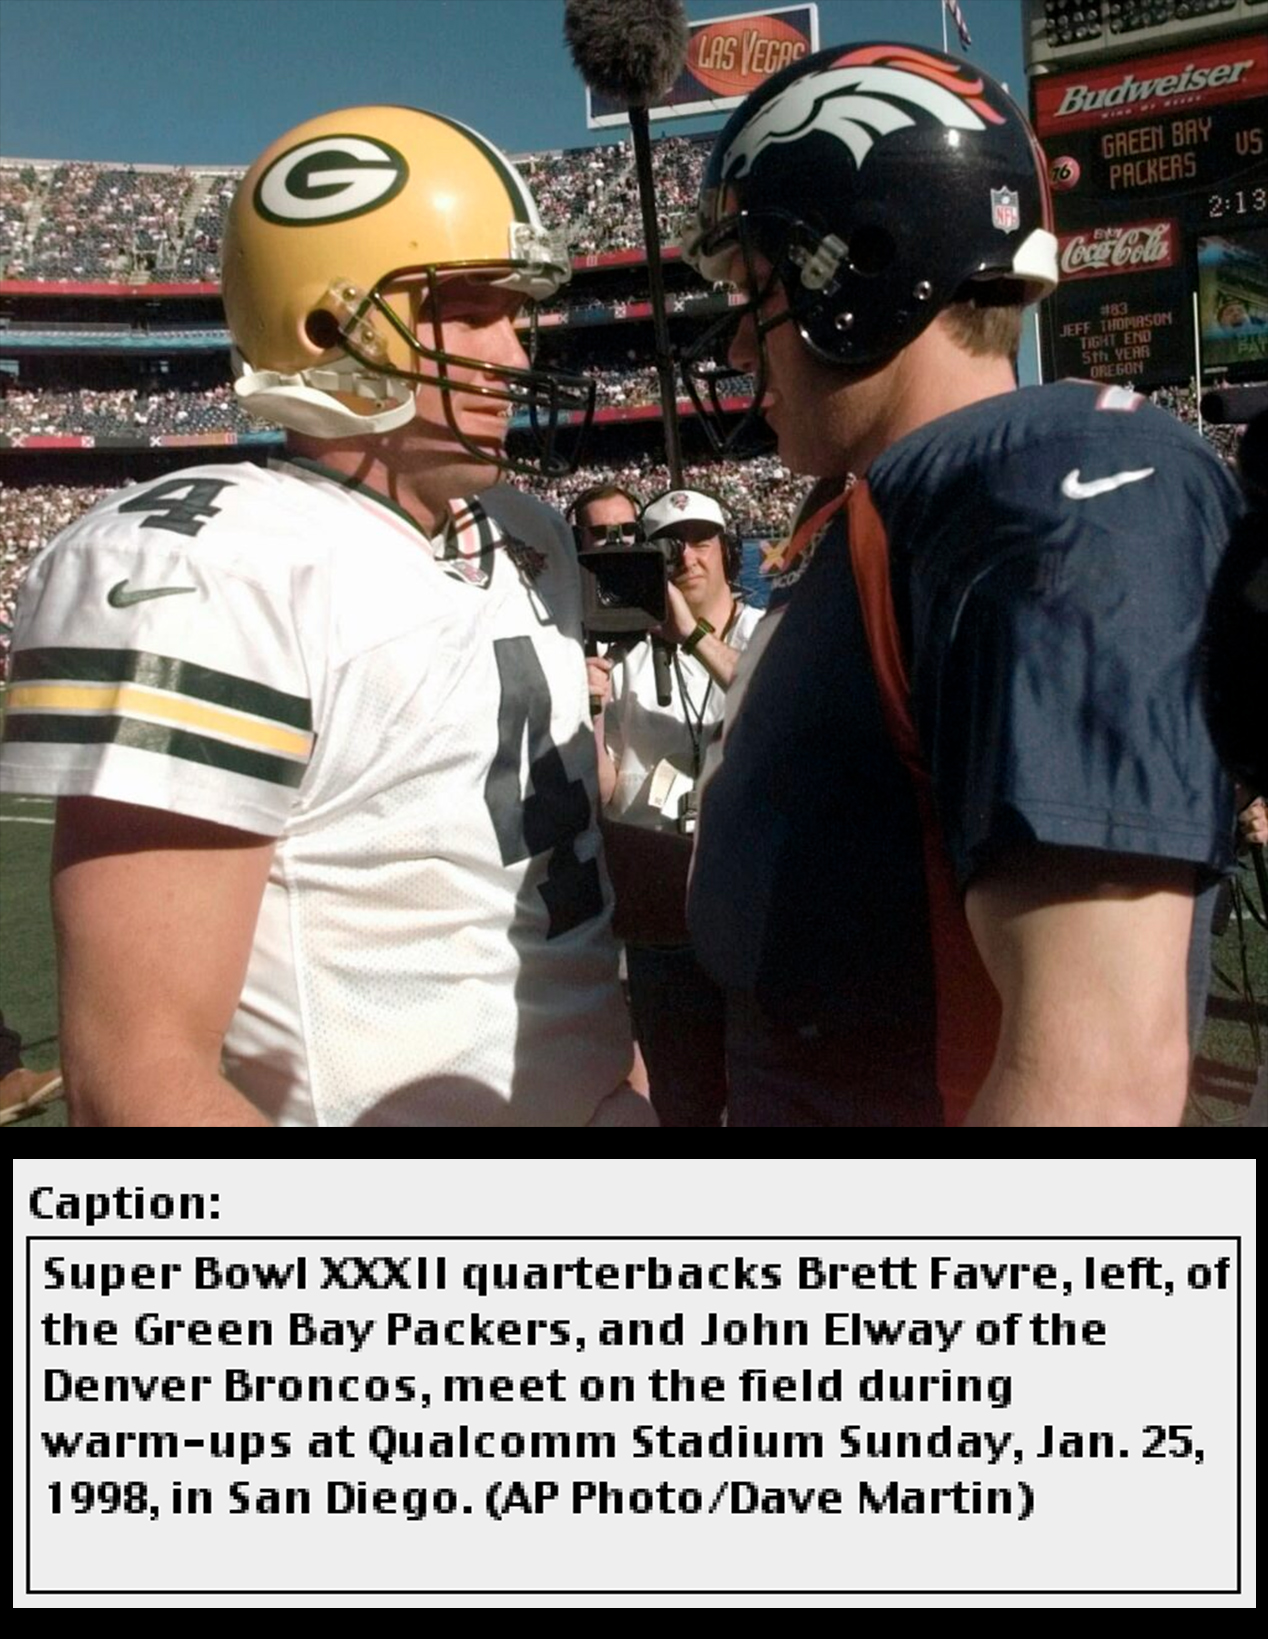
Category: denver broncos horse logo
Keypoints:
(858, 99)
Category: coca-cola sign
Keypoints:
(1135, 247)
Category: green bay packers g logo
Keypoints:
(329, 180)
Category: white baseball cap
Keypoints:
(680, 506)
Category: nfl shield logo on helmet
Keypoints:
(1005, 210)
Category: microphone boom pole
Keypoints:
(631, 51)
(651, 235)
(664, 359)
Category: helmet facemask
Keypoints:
(709, 378)
(550, 399)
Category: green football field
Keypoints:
(28, 980)
(28, 988)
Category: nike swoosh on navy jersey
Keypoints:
(1075, 490)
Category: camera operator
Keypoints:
(650, 760)
(602, 511)
(604, 515)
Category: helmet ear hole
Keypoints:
(322, 330)
(872, 251)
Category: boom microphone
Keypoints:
(632, 51)
(627, 50)
(1231, 406)
(1236, 637)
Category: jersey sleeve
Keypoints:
(157, 673)
(1060, 701)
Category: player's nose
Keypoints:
(741, 354)
(509, 348)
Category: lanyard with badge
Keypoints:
(673, 790)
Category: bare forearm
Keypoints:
(155, 1091)
(154, 915)
(1081, 1089)
(1088, 954)
(607, 768)
(719, 659)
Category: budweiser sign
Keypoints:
(1219, 71)
(1129, 249)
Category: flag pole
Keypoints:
(942, 8)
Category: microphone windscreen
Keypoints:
(1233, 649)
(1233, 405)
(628, 50)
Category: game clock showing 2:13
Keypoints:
(1237, 202)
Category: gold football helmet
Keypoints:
(339, 233)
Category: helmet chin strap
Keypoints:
(300, 403)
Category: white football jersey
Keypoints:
(280, 650)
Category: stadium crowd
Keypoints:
(18, 190)
(631, 385)
(592, 193)
(760, 495)
(615, 292)
(30, 517)
(83, 221)
(1183, 404)
(100, 412)
(80, 221)
(90, 221)
(199, 257)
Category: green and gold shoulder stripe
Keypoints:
(154, 702)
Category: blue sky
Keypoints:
(214, 81)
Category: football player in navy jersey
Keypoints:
(952, 861)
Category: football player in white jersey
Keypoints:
(326, 849)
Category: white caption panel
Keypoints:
(400, 1414)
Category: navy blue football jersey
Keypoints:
(992, 639)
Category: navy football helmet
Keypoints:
(876, 181)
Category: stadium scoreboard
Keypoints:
(1158, 162)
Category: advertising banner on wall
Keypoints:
(726, 59)
(1182, 82)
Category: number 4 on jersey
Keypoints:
(557, 811)
(182, 505)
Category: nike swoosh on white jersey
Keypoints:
(1073, 490)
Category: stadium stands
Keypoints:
(83, 222)
(111, 338)
(28, 518)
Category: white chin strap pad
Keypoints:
(1036, 261)
(299, 403)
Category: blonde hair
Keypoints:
(986, 320)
